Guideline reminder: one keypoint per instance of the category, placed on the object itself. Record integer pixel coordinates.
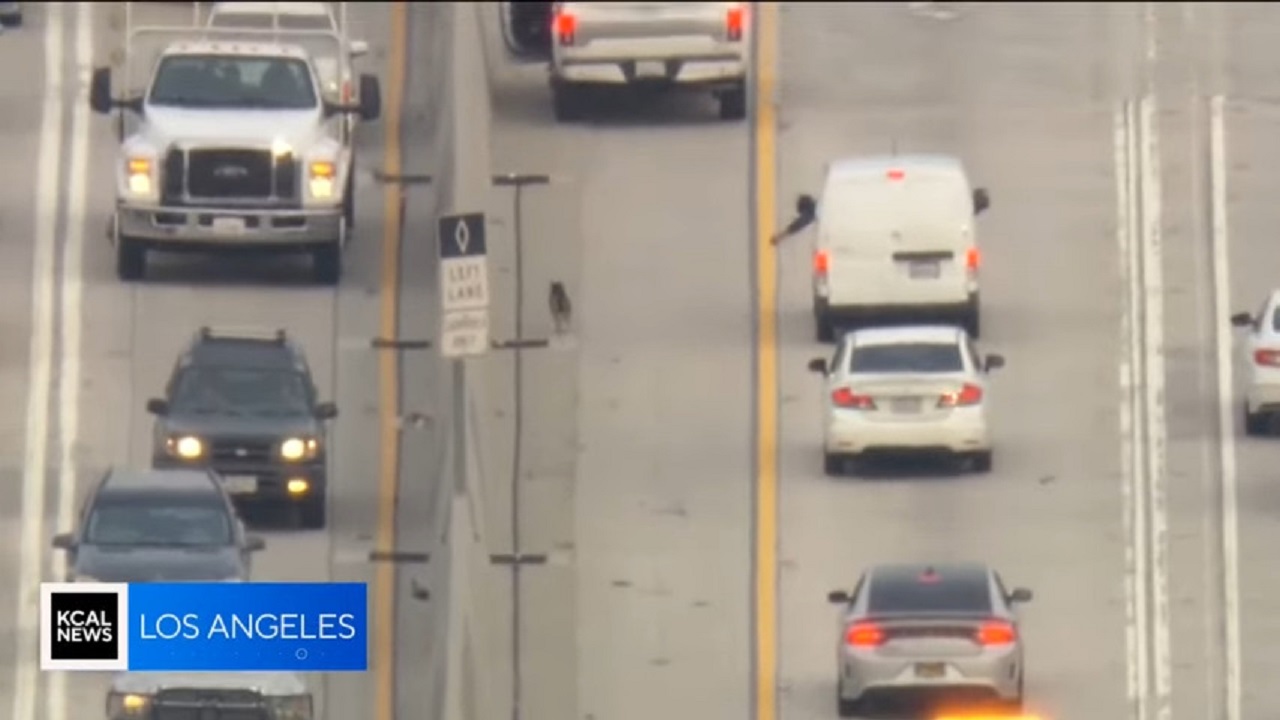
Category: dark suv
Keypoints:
(158, 525)
(243, 402)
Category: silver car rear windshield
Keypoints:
(954, 596)
(906, 358)
(233, 82)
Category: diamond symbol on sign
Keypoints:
(462, 236)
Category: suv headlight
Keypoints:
(298, 448)
(126, 704)
(292, 707)
(187, 447)
(321, 176)
(139, 173)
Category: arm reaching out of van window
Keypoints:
(801, 222)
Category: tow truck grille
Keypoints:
(238, 175)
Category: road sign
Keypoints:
(464, 285)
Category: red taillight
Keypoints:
(566, 27)
(967, 395)
(997, 633)
(895, 174)
(863, 635)
(821, 262)
(733, 23)
(346, 92)
(846, 398)
(972, 259)
(1270, 358)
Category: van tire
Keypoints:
(971, 318)
(733, 103)
(823, 329)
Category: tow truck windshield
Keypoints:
(231, 82)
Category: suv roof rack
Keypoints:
(254, 334)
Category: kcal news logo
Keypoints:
(192, 627)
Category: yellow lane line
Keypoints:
(384, 585)
(766, 192)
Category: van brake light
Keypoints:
(821, 263)
(1269, 358)
(895, 174)
(566, 27)
(972, 258)
(734, 22)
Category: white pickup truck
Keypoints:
(662, 45)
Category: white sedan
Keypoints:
(914, 389)
(1262, 379)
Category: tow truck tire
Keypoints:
(312, 513)
(566, 102)
(733, 103)
(131, 259)
(326, 264)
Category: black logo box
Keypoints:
(99, 604)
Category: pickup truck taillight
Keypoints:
(565, 27)
(733, 22)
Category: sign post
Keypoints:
(464, 285)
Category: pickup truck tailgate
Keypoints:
(605, 22)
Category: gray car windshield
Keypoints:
(224, 81)
(161, 525)
(235, 391)
(907, 358)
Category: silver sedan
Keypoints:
(939, 630)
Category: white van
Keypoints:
(895, 242)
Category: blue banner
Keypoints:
(298, 627)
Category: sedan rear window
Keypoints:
(906, 358)
(945, 595)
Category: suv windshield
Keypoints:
(227, 81)
(159, 524)
(255, 391)
(906, 358)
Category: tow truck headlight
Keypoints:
(126, 704)
(299, 448)
(186, 447)
(292, 707)
(321, 176)
(138, 174)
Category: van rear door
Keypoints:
(903, 240)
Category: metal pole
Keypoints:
(518, 182)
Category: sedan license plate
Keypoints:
(228, 225)
(905, 405)
(651, 69)
(240, 484)
(924, 270)
(931, 671)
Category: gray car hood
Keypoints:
(132, 564)
(166, 125)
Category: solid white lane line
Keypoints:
(1226, 412)
(1126, 222)
(1154, 384)
(35, 460)
(69, 325)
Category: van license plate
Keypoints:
(931, 671)
(651, 69)
(228, 225)
(240, 484)
(905, 405)
(924, 270)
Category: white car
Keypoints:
(1262, 348)
(906, 389)
(649, 44)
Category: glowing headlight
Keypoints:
(298, 448)
(322, 176)
(188, 448)
(280, 148)
(292, 707)
(138, 172)
(119, 704)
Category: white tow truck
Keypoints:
(228, 143)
